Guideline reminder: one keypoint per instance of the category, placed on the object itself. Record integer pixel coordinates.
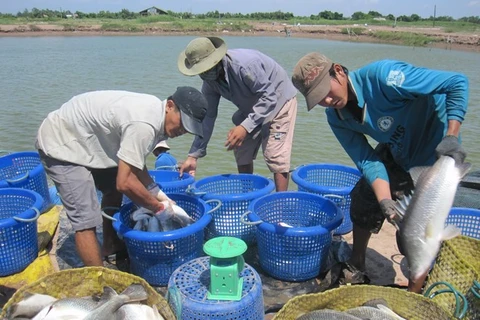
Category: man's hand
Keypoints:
(235, 137)
(449, 146)
(189, 166)
(390, 212)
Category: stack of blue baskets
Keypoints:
(236, 192)
(333, 181)
(188, 294)
(467, 219)
(25, 170)
(19, 211)
(294, 233)
(155, 255)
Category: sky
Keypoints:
(424, 8)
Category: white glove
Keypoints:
(157, 193)
(172, 216)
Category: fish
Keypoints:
(68, 308)
(179, 218)
(371, 313)
(137, 311)
(327, 314)
(110, 301)
(422, 229)
(30, 305)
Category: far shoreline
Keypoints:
(325, 34)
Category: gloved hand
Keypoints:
(155, 191)
(449, 146)
(390, 212)
(172, 216)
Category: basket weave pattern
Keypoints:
(458, 263)
(406, 304)
(85, 282)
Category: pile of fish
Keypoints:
(109, 306)
(146, 220)
(370, 310)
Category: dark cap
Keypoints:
(311, 77)
(193, 107)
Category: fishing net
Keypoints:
(406, 304)
(88, 281)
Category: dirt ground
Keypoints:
(452, 41)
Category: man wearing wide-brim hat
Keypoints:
(265, 98)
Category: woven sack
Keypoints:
(406, 304)
(458, 263)
(88, 281)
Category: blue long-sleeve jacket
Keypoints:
(404, 106)
(257, 85)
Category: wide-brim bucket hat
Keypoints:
(201, 54)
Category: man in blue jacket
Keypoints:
(264, 95)
(413, 113)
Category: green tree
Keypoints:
(359, 15)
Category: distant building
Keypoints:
(379, 19)
(152, 11)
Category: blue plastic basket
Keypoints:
(295, 253)
(19, 211)
(236, 192)
(188, 288)
(168, 181)
(25, 170)
(171, 181)
(333, 181)
(467, 219)
(155, 255)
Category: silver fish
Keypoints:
(423, 226)
(327, 314)
(31, 305)
(136, 311)
(110, 302)
(372, 313)
(68, 308)
(179, 218)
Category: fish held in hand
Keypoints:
(423, 227)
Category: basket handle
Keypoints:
(251, 223)
(31, 219)
(172, 168)
(191, 191)
(475, 289)
(106, 216)
(343, 201)
(218, 205)
(22, 178)
(463, 304)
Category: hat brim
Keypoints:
(206, 64)
(318, 93)
(191, 125)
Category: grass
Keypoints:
(406, 38)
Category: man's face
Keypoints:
(173, 121)
(338, 96)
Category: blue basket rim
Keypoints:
(185, 176)
(296, 177)
(27, 214)
(296, 231)
(21, 153)
(38, 168)
(128, 232)
(269, 187)
(464, 211)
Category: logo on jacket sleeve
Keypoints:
(384, 123)
(395, 78)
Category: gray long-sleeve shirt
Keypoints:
(257, 85)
